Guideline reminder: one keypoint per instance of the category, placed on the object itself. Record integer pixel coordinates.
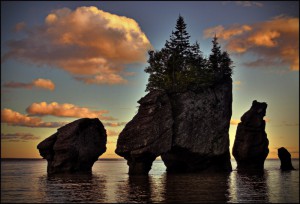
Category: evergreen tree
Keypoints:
(226, 65)
(215, 56)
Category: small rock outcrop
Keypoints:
(285, 158)
(189, 130)
(74, 147)
(250, 147)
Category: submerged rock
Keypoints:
(285, 158)
(250, 147)
(74, 147)
(189, 130)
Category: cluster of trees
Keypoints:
(180, 65)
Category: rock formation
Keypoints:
(189, 130)
(148, 134)
(74, 147)
(250, 147)
(285, 158)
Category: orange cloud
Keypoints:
(19, 26)
(39, 83)
(112, 133)
(117, 124)
(18, 137)
(234, 121)
(274, 42)
(14, 118)
(92, 45)
(65, 110)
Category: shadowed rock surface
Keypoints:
(189, 130)
(74, 147)
(148, 134)
(250, 147)
(285, 158)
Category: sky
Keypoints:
(61, 61)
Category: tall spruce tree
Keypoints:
(180, 65)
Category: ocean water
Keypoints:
(26, 181)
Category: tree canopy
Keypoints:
(180, 65)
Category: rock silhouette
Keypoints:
(250, 147)
(189, 130)
(285, 158)
(74, 147)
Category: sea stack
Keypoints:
(250, 147)
(74, 147)
(188, 129)
(285, 158)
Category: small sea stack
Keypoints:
(250, 147)
(285, 159)
(74, 147)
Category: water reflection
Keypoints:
(137, 188)
(249, 187)
(73, 188)
(201, 187)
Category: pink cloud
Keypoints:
(14, 118)
(92, 45)
(274, 42)
(65, 110)
(38, 83)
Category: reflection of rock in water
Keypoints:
(136, 189)
(66, 188)
(248, 187)
(204, 187)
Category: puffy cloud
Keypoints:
(117, 124)
(18, 137)
(65, 110)
(274, 42)
(92, 45)
(39, 83)
(14, 118)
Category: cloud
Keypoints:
(18, 137)
(249, 3)
(14, 118)
(65, 110)
(90, 44)
(234, 121)
(19, 26)
(273, 43)
(117, 124)
(39, 83)
(112, 133)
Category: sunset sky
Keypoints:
(61, 61)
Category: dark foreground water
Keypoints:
(27, 181)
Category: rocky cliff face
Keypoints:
(74, 147)
(250, 147)
(188, 130)
(285, 159)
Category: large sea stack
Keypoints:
(188, 129)
(74, 147)
(285, 159)
(250, 147)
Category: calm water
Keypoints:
(27, 181)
